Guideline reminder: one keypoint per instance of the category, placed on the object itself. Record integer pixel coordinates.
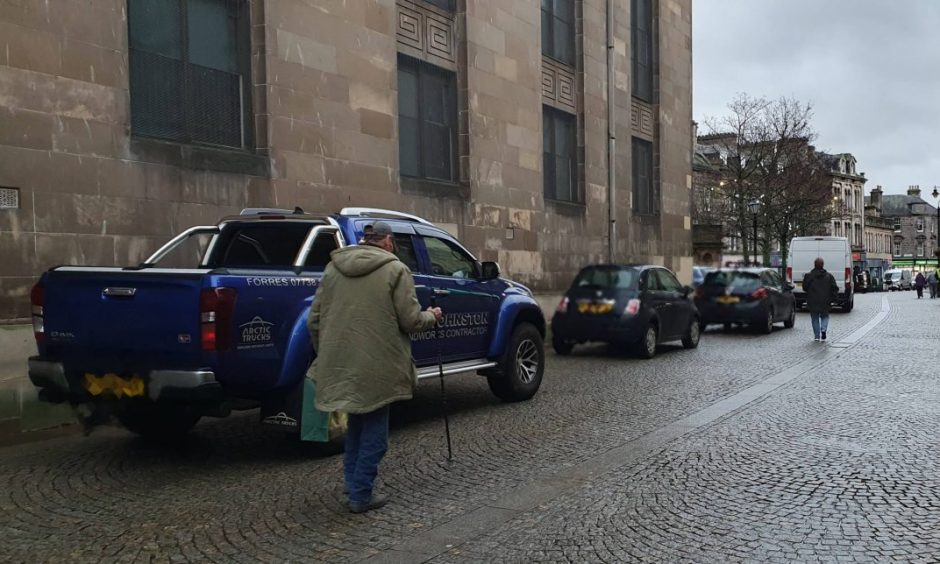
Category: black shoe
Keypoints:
(376, 502)
(823, 336)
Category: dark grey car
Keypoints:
(636, 306)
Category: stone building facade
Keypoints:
(124, 121)
(914, 226)
(879, 231)
(848, 197)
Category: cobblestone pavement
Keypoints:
(836, 464)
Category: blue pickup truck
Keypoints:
(215, 320)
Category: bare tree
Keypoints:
(769, 158)
(737, 137)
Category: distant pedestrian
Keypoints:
(821, 290)
(360, 326)
(932, 281)
(919, 284)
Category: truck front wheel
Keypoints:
(158, 421)
(520, 371)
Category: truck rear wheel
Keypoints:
(520, 371)
(158, 421)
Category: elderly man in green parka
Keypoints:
(360, 324)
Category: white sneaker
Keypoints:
(816, 339)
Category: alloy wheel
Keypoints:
(527, 361)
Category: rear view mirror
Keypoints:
(490, 270)
(686, 291)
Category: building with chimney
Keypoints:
(913, 227)
(879, 233)
(848, 199)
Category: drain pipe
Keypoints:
(611, 140)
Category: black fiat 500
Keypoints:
(635, 306)
(758, 297)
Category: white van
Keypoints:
(836, 253)
(898, 279)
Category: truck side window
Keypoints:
(319, 255)
(405, 251)
(448, 260)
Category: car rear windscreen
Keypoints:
(272, 245)
(608, 278)
(746, 281)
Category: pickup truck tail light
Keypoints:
(215, 318)
(38, 298)
(562, 305)
(759, 293)
(790, 274)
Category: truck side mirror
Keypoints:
(490, 270)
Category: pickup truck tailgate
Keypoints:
(111, 319)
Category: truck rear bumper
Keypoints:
(188, 386)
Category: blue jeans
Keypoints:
(820, 323)
(366, 443)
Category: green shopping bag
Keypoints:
(316, 425)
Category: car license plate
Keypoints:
(728, 299)
(131, 386)
(597, 308)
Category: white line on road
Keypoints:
(865, 329)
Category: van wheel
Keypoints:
(847, 307)
(520, 371)
(158, 421)
(646, 348)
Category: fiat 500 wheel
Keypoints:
(646, 348)
(693, 335)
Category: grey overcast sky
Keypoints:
(871, 69)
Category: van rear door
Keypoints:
(838, 259)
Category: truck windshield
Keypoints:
(272, 245)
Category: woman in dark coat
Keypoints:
(919, 284)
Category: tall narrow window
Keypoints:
(189, 71)
(641, 40)
(645, 197)
(558, 28)
(427, 120)
(442, 4)
(559, 157)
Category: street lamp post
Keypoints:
(754, 208)
(936, 195)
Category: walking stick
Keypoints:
(440, 367)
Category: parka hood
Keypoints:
(818, 273)
(360, 260)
